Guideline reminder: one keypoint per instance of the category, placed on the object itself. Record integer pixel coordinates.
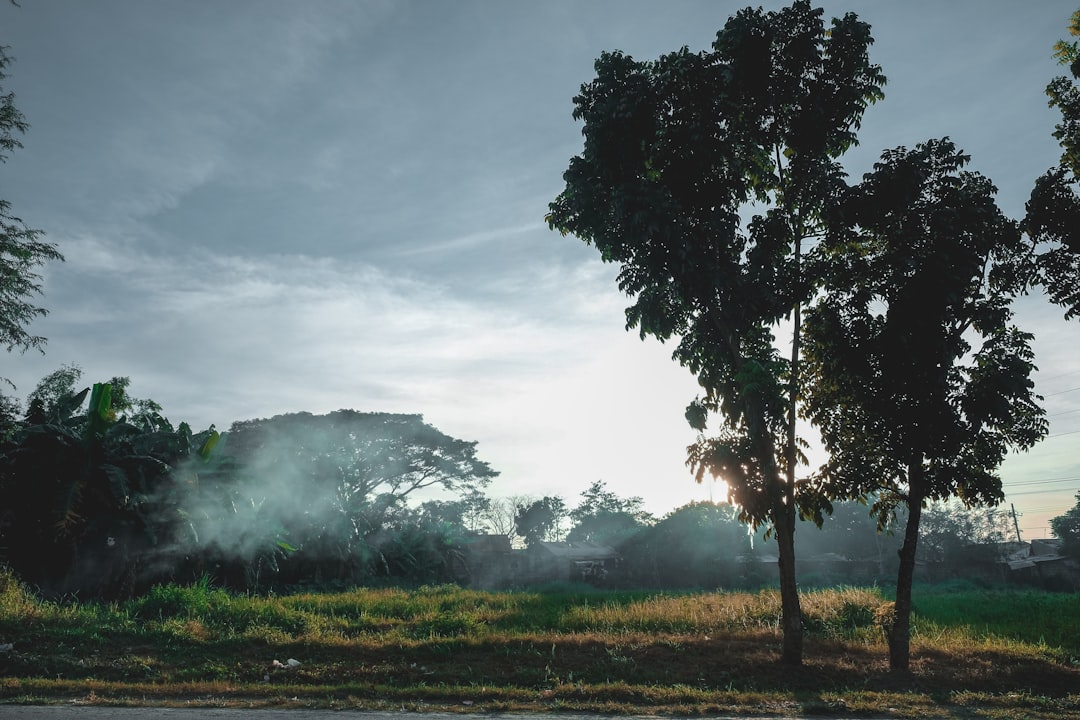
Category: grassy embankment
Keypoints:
(975, 653)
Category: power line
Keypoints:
(1062, 392)
(1043, 482)
(1055, 377)
(1070, 432)
(1039, 492)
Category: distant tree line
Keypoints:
(102, 496)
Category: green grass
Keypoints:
(1026, 616)
(975, 654)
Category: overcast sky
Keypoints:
(269, 207)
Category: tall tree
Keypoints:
(1053, 211)
(676, 151)
(920, 382)
(539, 520)
(333, 480)
(1067, 527)
(51, 394)
(604, 517)
(498, 517)
(22, 250)
(598, 499)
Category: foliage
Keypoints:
(101, 495)
(957, 536)
(918, 379)
(356, 471)
(597, 499)
(675, 150)
(696, 545)
(89, 499)
(605, 518)
(49, 398)
(1067, 527)
(360, 456)
(606, 528)
(1067, 52)
(1053, 210)
(539, 520)
(22, 251)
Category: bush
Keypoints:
(169, 601)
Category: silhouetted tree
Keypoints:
(49, 397)
(1053, 211)
(598, 499)
(91, 504)
(423, 545)
(955, 536)
(22, 251)
(675, 151)
(539, 520)
(1067, 527)
(334, 481)
(498, 517)
(919, 381)
(604, 517)
(696, 545)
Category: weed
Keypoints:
(612, 652)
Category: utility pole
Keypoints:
(1015, 523)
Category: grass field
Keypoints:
(976, 653)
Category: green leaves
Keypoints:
(22, 251)
(675, 147)
(1053, 211)
(912, 357)
(1067, 527)
(674, 152)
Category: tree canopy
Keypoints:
(1053, 211)
(917, 377)
(675, 150)
(539, 520)
(1067, 527)
(22, 251)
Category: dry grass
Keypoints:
(452, 649)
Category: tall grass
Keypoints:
(584, 649)
(1031, 617)
(1027, 616)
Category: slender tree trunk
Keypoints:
(782, 515)
(785, 530)
(791, 608)
(784, 522)
(900, 632)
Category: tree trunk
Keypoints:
(900, 632)
(785, 531)
(791, 609)
(782, 515)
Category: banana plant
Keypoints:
(91, 500)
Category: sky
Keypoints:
(270, 207)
